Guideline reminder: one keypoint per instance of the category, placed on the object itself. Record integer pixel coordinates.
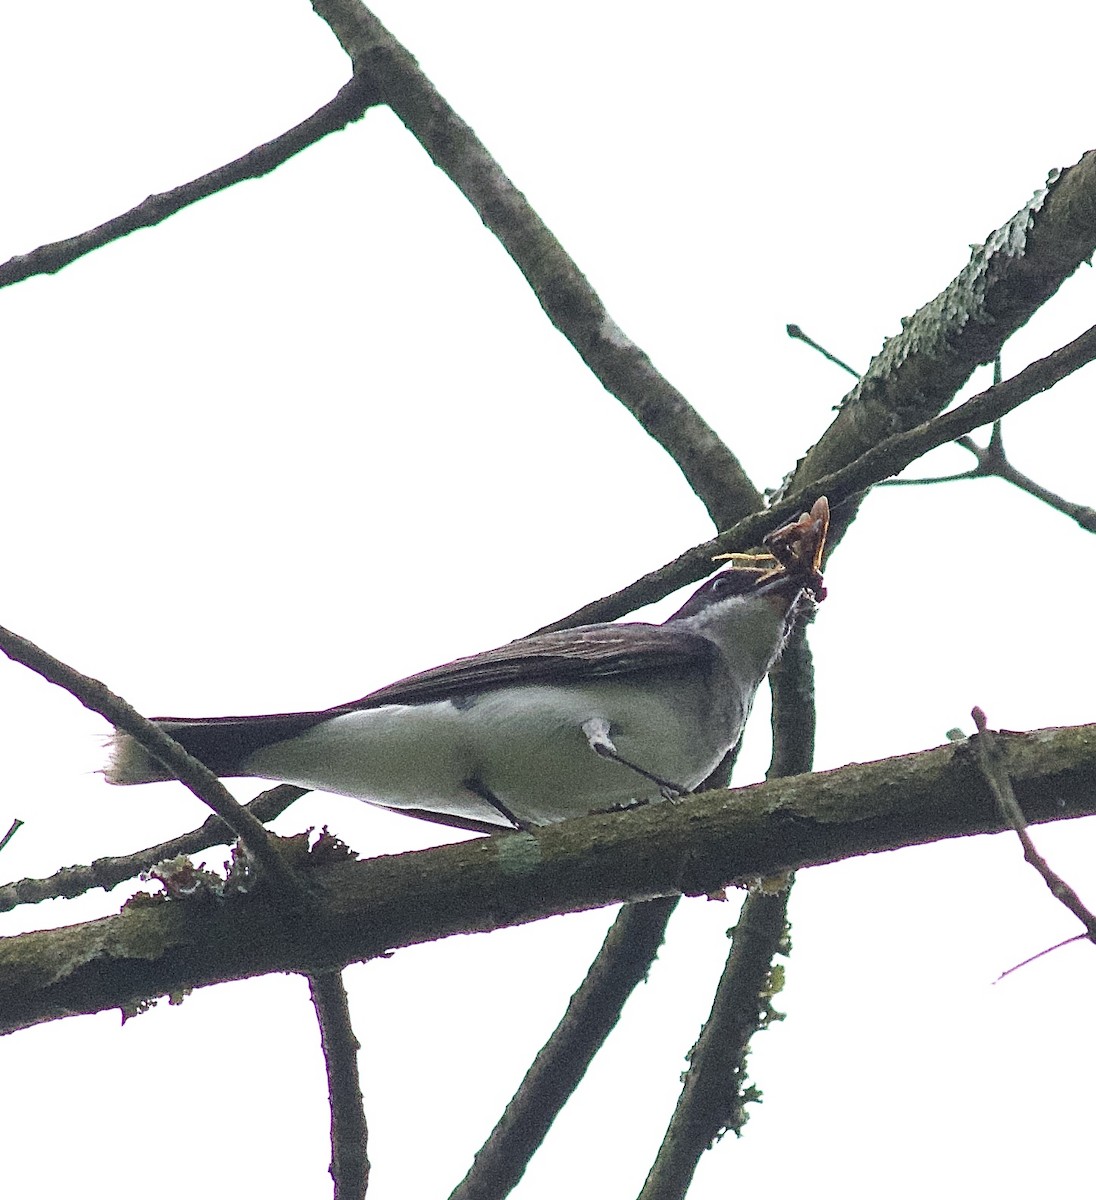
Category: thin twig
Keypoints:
(349, 104)
(565, 294)
(795, 332)
(989, 760)
(887, 458)
(714, 1093)
(1077, 937)
(198, 778)
(954, 478)
(349, 1136)
(991, 463)
(12, 831)
(110, 871)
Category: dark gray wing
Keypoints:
(589, 652)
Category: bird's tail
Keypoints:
(222, 743)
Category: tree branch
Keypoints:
(793, 331)
(349, 104)
(349, 1160)
(188, 770)
(621, 965)
(13, 829)
(108, 872)
(997, 776)
(993, 463)
(363, 909)
(565, 294)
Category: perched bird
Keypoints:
(547, 727)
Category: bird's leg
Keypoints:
(596, 730)
(480, 789)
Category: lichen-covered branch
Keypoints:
(196, 776)
(362, 909)
(918, 371)
(565, 294)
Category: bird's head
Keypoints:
(791, 568)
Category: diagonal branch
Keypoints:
(566, 296)
(621, 965)
(793, 331)
(188, 770)
(997, 776)
(349, 104)
(13, 829)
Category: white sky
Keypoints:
(314, 434)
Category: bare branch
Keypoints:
(1079, 937)
(362, 909)
(110, 871)
(621, 965)
(928, 479)
(349, 104)
(349, 1160)
(997, 776)
(188, 770)
(564, 293)
(13, 829)
(994, 463)
(883, 460)
(794, 331)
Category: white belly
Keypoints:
(525, 745)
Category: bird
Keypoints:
(594, 718)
